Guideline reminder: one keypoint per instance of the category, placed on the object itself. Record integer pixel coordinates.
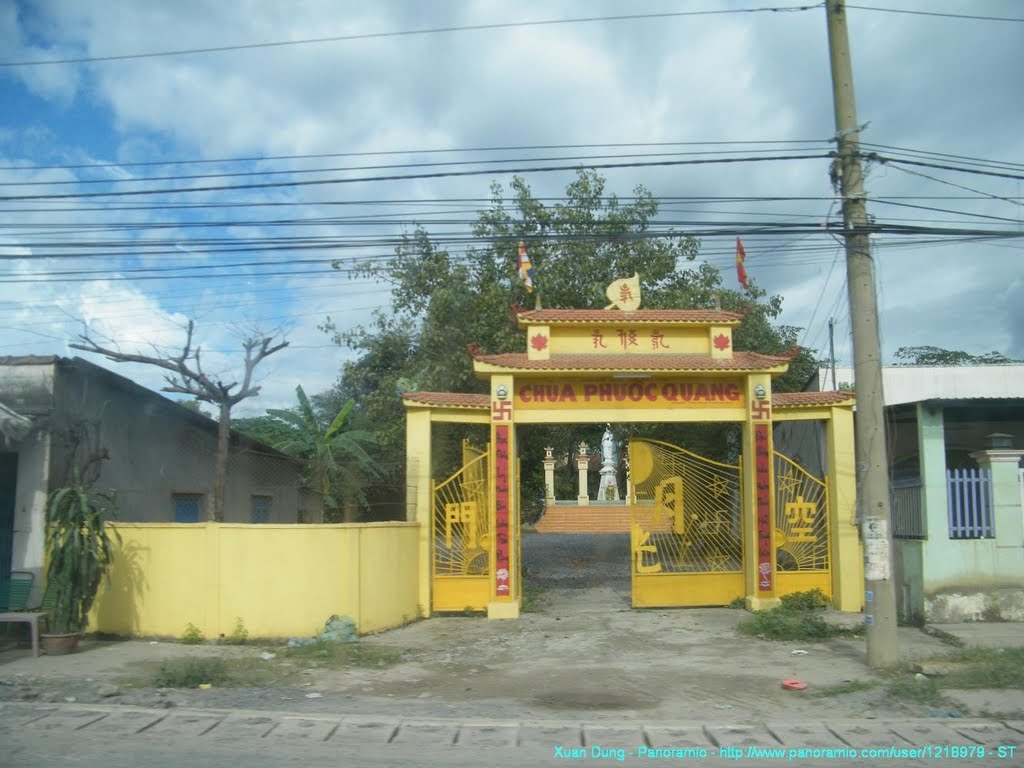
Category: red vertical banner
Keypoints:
(762, 479)
(502, 503)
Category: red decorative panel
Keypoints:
(502, 529)
(762, 479)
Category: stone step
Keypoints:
(595, 519)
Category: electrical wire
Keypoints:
(418, 176)
(933, 13)
(402, 33)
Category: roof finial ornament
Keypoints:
(718, 302)
(625, 294)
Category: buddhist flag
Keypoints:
(525, 268)
(741, 271)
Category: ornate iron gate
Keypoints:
(461, 535)
(802, 542)
(686, 527)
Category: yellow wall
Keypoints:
(281, 580)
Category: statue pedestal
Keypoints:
(609, 488)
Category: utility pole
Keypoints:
(832, 350)
(872, 454)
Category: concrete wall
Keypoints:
(280, 580)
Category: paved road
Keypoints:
(35, 735)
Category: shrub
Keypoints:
(811, 600)
(238, 635)
(192, 635)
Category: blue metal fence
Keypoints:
(969, 501)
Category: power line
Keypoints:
(414, 176)
(933, 13)
(402, 33)
(347, 169)
(430, 151)
(976, 171)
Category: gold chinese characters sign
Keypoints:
(640, 393)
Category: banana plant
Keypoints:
(336, 458)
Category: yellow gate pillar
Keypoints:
(419, 496)
(847, 561)
(759, 496)
(504, 506)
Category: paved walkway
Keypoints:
(31, 732)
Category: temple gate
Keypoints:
(704, 532)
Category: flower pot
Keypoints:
(58, 645)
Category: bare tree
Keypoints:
(187, 377)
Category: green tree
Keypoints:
(928, 355)
(445, 303)
(337, 463)
(196, 406)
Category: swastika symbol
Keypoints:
(760, 410)
(501, 410)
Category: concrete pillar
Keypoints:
(549, 476)
(846, 558)
(582, 462)
(931, 448)
(1003, 463)
(419, 494)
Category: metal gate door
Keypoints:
(802, 546)
(461, 536)
(686, 527)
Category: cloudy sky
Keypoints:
(140, 190)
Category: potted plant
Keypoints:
(78, 545)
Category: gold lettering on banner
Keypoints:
(671, 393)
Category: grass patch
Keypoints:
(843, 688)
(191, 673)
(909, 688)
(987, 668)
(798, 617)
(780, 624)
(249, 670)
(337, 655)
(533, 599)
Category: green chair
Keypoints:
(14, 596)
(14, 592)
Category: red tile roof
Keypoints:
(446, 399)
(660, 316)
(481, 402)
(808, 399)
(740, 361)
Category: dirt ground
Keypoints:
(585, 655)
